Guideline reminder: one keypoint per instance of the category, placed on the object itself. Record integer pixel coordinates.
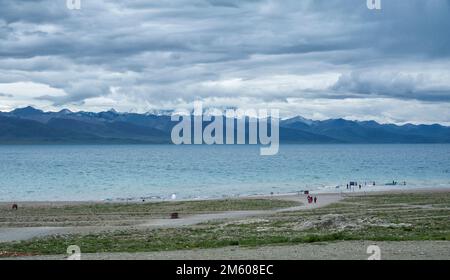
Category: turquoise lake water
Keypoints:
(96, 172)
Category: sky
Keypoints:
(315, 58)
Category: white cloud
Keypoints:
(321, 58)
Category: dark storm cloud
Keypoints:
(32, 11)
(391, 84)
(158, 51)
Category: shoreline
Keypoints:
(252, 196)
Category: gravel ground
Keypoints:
(348, 250)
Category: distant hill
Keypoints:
(370, 131)
(30, 125)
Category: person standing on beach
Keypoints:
(315, 199)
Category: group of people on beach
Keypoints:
(312, 199)
(352, 185)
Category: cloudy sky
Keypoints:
(315, 58)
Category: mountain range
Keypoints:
(32, 126)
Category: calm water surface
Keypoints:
(96, 172)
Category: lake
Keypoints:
(99, 172)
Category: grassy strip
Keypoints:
(188, 238)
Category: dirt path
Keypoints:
(352, 250)
(324, 199)
(24, 233)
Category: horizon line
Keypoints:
(149, 112)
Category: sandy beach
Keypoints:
(36, 222)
